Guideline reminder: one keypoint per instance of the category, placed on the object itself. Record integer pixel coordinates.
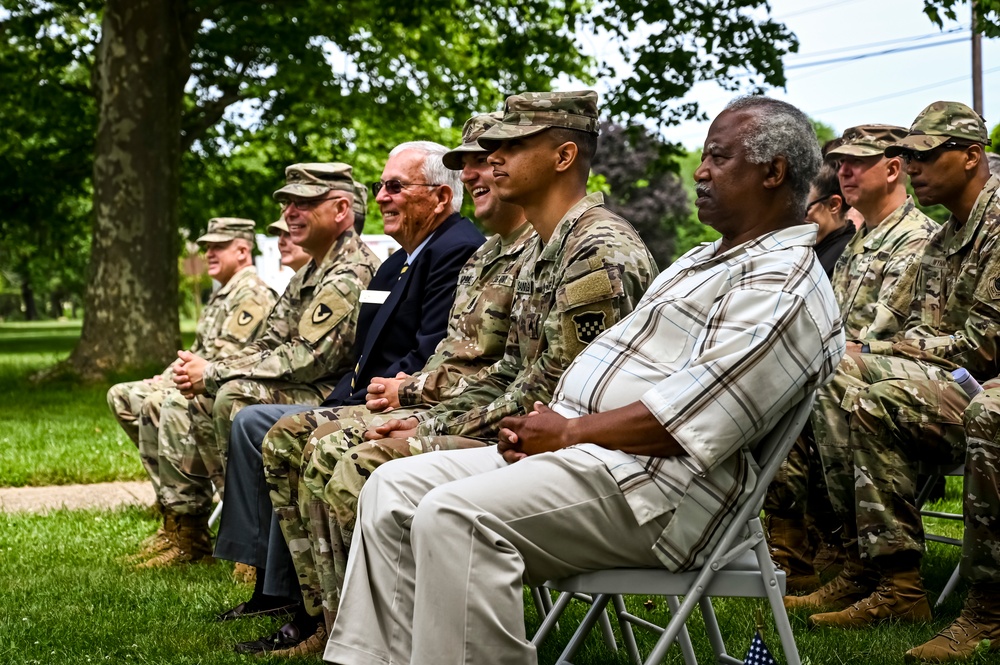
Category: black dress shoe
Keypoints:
(250, 609)
(287, 637)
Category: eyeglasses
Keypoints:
(305, 205)
(819, 200)
(395, 186)
(932, 154)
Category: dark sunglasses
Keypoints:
(930, 155)
(395, 186)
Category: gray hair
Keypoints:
(778, 128)
(435, 172)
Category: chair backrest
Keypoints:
(771, 452)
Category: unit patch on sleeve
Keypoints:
(327, 311)
(589, 325)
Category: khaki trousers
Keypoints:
(446, 540)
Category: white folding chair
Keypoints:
(739, 566)
(932, 473)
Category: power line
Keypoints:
(899, 93)
(887, 42)
(863, 56)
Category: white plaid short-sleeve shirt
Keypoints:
(718, 349)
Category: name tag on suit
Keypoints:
(373, 297)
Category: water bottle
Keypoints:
(969, 384)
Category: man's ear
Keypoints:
(566, 156)
(443, 196)
(777, 172)
(974, 156)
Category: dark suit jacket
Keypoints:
(400, 334)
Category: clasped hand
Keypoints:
(541, 431)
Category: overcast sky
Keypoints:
(890, 88)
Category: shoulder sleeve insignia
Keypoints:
(589, 325)
(244, 321)
(994, 289)
(327, 310)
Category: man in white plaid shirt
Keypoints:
(647, 447)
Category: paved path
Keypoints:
(98, 495)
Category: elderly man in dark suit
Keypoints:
(404, 314)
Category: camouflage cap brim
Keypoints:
(303, 191)
(854, 151)
(453, 159)
(216, 237)
(277, 228)
(916, 143)
(497, 134)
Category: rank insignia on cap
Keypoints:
(321, 314)
(589, 325)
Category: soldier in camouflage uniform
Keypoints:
(897, 397)
(894, 233)
(228, 322)
(582, 274)
(980, 565)
(307, 341)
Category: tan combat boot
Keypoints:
(900, 596)
(979, 621)
(788, 540)
(244, 574)
(193, 543)
(160, 541)
(854, 582)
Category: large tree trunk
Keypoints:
(131, 303)
(28, 296)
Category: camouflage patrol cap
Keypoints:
(939, 123)
(311, 181)
(278, 227)
(224, 229)
(534, 112)
(474, 128)
(360, 199)
(866, 141)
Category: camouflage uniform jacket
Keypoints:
(479, 321)
(873, 261)
(591, 272)
(233, 315)
(309, 336)
(955, 318)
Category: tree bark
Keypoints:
(131, 303)
(28, 296)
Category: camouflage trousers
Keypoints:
(182, 457)
(286, 449)
(874, 423)
(798, 489)
(125, 401)
(237, 394)
(300, 454)
(981, 496)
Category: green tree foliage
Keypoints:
(651, 198)
(47, 134)
(265, 84)
(987, 13)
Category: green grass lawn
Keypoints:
(59, 432)
(65, 596)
